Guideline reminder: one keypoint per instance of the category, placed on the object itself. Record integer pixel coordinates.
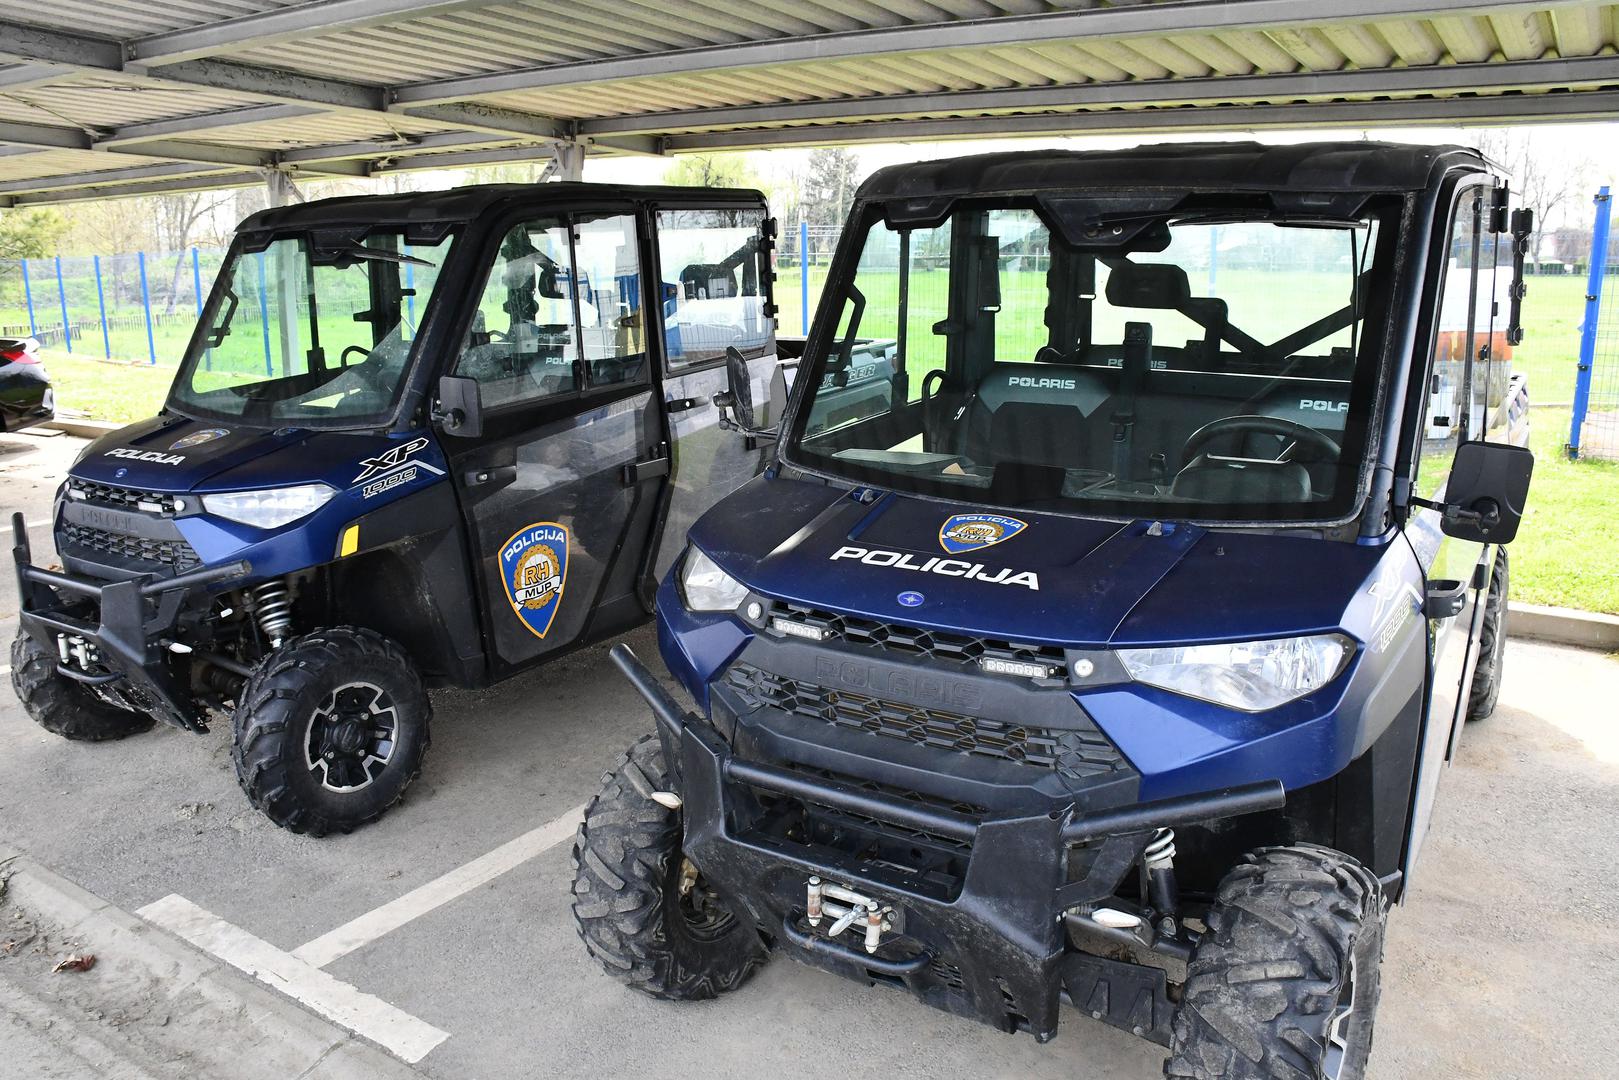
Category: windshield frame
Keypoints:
(249, 243)
(1387, 279)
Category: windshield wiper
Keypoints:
(359, 251)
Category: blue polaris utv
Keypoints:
(415, 440)
(1112, 660)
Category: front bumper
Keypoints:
(126, 624)
(986, 941)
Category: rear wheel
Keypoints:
(1492, 644)
(1284, 984)
(330, 730)
(643, 909)
(60, 705)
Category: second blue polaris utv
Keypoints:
(1113, 658)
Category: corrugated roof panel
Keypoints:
(318, 130)
(131, 18)
(111, 101)
(1467, 39)
(47, 164)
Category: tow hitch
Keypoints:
(846, 908)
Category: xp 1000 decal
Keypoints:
(534, 568)
(969, 532)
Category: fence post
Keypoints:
(1588, 329)
(803, 273)
(101, 302)
(264, 316)
(28, 298)
(61, 294)
(146, 306)
(196, 287)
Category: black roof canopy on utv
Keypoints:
(466, 203)
(1324, 167)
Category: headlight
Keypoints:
(270, 508)
(706, 587)
(1250, 675)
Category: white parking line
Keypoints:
(382, 1023)
(441, 890)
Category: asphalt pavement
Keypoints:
(443, 932)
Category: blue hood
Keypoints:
(1059, 580)
(174, 454)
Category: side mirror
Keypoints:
(1484, 498)
(460, 406)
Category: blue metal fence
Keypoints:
(138, 307)
(143, 306)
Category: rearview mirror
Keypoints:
(1484, 498)
(460, 406)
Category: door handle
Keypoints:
(637, 471)
(499, 475)
(676, 405)
(1445, 598)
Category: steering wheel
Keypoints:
(343, 357)
(1260, 425)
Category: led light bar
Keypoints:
(1023, 669)
(796, 629)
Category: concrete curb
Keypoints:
(1561, 626)
(227, 1020)
(84, 429)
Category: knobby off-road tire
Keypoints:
(1267, 980)
(309, 726)
(626, 893)
(1492, 644)
(62, 706)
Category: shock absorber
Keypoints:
(272, 607)
(1159, 859)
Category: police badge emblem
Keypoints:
(969, 532)
(534, 568)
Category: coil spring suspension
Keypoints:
(1159, 854)
(272, 607)
(1158, 857)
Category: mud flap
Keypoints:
(1129, 996)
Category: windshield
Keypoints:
(1212, 366)
(310, 335)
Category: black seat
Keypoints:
(1037, 414)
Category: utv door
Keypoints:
(558, 512)
(1465, 338)
(714, 291)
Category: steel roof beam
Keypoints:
(384, 148)
(196, 124)
(1508, 75)
(1158, 20)
(227, 179)
(284, 24)
(1495, 109)
(106, 176)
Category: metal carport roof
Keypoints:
(102, 97)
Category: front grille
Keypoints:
(175, 554)
(122, 498)
(1072, 753)
(911, 641)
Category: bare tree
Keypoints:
(178, 218)
(1549, 186)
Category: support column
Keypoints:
(570, 160)
(281, 192)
